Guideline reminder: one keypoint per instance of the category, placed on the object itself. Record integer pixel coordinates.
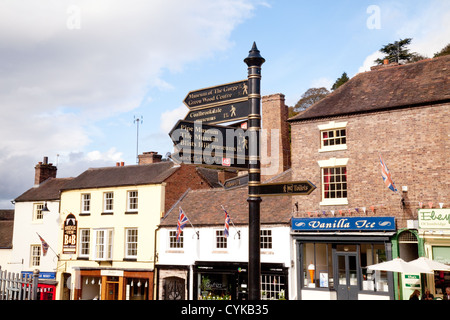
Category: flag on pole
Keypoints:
(45, 245)
(182, 221)
(227, 223)
(387, 176)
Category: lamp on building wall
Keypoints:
(45, 208)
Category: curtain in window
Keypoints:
(326, 181)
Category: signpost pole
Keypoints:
(254, 62)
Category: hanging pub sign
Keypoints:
(70, 235)
(344, 224)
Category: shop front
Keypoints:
(229, 281)
(46, 284)
(112, 284)
(332, 255)
(434, 229)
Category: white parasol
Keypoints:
(429, 264)
(399, 265)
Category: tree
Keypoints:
(310, 97)
(445, 51)
(340, 81)
(396, 52)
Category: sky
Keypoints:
(76, 75)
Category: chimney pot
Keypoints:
(122, 164)
(43, 171)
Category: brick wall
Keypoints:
(184, 178)
(413, 142)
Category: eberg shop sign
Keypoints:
(344, 224)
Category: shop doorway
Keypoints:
(112, 291)
(346, 273)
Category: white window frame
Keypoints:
(85, 243)
(332, 163)
(131, 240)
(266, 240)
(85, 203)
(35, 255)
(103, 244)
(221, 242)
(332, 126)
(38, 215)
(130, 196)
(108, 202)
(173, 244)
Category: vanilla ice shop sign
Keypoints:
(344, 224)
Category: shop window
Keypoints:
(173, 243)
(221, 239)
(441, 278)
(317, 266)
(137, 289)
(272, 287)
(376, 281)
(215, 286)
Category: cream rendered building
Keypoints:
(109, 216)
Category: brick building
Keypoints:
(398, 112)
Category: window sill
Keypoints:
(333, 148)
(334, 202)
(85, 214)
(108, 213)
(131, 212)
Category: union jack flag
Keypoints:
(387, 176)
(227, 224)
(45, 245)
(182, 221)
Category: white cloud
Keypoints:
(171, 117)
(370, 61)
(322, 82)
(57, 82)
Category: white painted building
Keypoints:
(32, 221)
(204, 264)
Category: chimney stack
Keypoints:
(275, 114)
(44, 170)
(149, 157)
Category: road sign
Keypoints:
(220, 114)
(213, 96)
(198, 143)
(293, 188)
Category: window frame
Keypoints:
(332, 164)
(266, 239)
(173, 244)
(333, 126)
(128, 251)
(38, 215)
(108, 207)
(135, 203)
(35, 255)
(85, 243)
(85, 203)
(107, 245)
(221, 241)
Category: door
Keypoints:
(347, 276)
(112, 291)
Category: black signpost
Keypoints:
(199, 141)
